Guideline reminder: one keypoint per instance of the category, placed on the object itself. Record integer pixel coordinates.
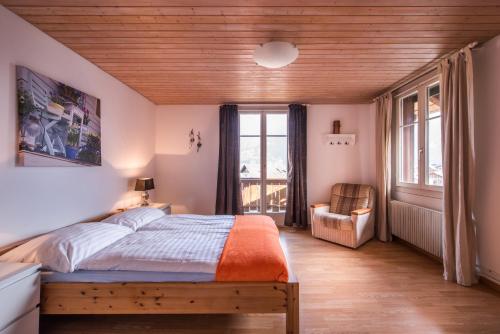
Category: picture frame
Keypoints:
(58, 125)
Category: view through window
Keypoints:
(434, 165)
(419, 152)
(263, 161)
(408, 135)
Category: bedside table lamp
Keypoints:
(144, 184)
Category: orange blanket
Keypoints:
(252, 252)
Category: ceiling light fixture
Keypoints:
(275, 54)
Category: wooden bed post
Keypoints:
(292, 312)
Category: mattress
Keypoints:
(111, 276)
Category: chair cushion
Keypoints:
(349, 197)
(334, 220)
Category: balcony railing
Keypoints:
(275, 196)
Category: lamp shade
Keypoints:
(275, 54)
(144, 184)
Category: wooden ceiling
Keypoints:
(200, 52)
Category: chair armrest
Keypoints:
(315, 206)
(360, 212)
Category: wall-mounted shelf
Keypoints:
(342, 139)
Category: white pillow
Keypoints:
(135, 218)
(63, 249)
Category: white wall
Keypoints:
(487, 112)
(188, 179)
(327, 165)
(35, 200)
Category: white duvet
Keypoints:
(173, 243)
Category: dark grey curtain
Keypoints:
(229, 199)
(296, 207)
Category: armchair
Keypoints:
(349, 218)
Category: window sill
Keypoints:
(423, 192)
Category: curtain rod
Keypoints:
(262, 105)
(255, 105)
(425, 70)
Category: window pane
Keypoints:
(249, 157)
(434, 165)
(276, 157)
(434, 103)
(409, 154)
(276, 196)
(249, 124)
(263, 196)
(409, 110)
(276, 124)
(250, 191)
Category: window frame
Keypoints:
(263, 112)
(421, 187)
(429, 84)
(399, 147)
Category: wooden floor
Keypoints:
(379, 288)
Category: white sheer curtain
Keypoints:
(383, 106)
(459, 237)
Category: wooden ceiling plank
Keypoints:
(271, 35)
(298, 41)
(394, 20)
(249, 58)
(249, 52)
(253, 3)
(218, 46)
(165, 22)
(261, 28)
(258, 10)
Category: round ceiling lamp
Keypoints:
(275, 54)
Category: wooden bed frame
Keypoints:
(67, 298)
(174, 298)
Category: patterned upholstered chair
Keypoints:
(349, 218)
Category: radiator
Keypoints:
(419, 226)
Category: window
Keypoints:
(408, 135)
(263, 161)
(419, 137)
(433, 163)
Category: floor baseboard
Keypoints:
(420, 250)
(482, 279)
(489, 283)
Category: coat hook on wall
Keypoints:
(199, 144)
(191, 138)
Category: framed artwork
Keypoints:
(57, 125)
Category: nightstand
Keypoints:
(19, 298)
(166, 207)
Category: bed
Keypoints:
(150, 263)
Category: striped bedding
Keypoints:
(189, 222)
(173, 243)
(186, 247)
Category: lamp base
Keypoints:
(145, 198)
